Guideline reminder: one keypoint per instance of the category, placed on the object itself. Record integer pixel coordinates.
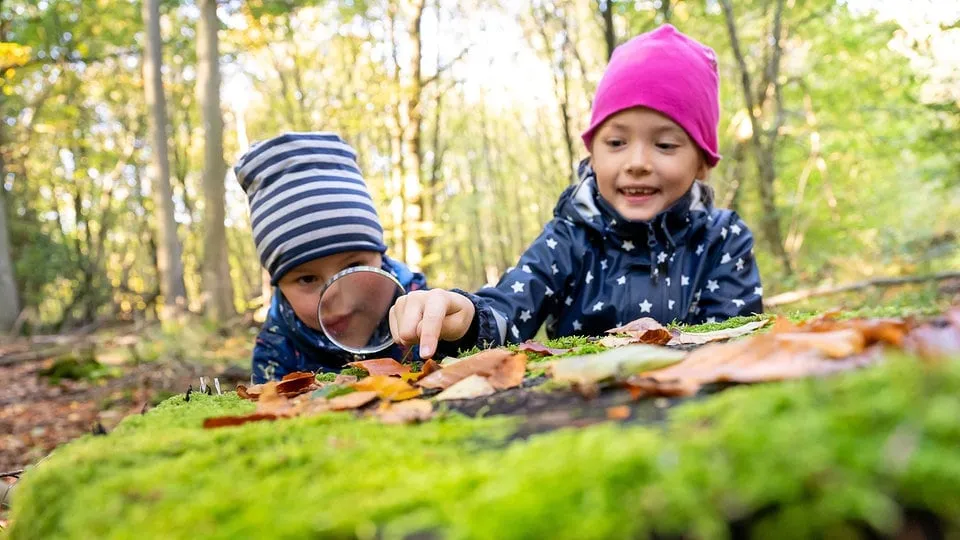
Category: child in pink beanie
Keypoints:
(637, 237)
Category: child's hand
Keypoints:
(425, 317)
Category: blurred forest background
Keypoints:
(121, 120)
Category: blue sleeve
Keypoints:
(732, 286)
(535, 287)
(271, 354)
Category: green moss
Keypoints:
(723, 325)
(809, 458)
(326, 377)
(355, 371)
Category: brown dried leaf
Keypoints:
(936, 340)
(473, 386)
(252, 393)
(533, 346)
(648, 387)
(835, 343)
(388, 388)
(405, 412)
(486, 364)
(296, 383)
(353, 400)
(345, 380)
(645, 330)
(381, 366)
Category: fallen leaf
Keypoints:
(591, 368)
(388, 388)
(226, 421)
(273, 402)
(835, 343)
(353, 400)
(344, 380)
(509, 373)
(428, 367)
(620, 412)
(699, 338)
(471, 387)
(381, 366)
(613, 342)
(405, 412)
(252, 393)
(296, 383)
(493, 363)
(640, 386)
(331, 391)
(533, 346)
(935, 340)
(645, 330)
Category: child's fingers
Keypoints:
(434, 312)
(408, 317)
(393, 321)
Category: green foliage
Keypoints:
(75, 367)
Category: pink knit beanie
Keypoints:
(668, 72)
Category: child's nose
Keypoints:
(638, 160)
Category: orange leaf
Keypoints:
(381, 366)
(620, 412)
(388, 388)
(353, 400)
(496, 364)
(405, 412)
(835, 343)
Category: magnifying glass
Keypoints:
(354, 309)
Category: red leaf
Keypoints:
(226, 421)
(296, 383)
(533, 346)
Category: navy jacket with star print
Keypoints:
(592, 270)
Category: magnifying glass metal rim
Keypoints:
(335, 277)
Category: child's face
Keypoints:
(644, 162)
(303, 285)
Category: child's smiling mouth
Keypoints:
(638, 194)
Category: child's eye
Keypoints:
(306, 280)
(615, 143)
(667, 146)
(354, 264)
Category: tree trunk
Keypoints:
(764, 152)
(169, 261)
(217, 286)
(9, 298)
(609, 31)
(414, 228)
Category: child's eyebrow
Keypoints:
(669, 129)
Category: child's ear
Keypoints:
(703, 172)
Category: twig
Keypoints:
(802, 294)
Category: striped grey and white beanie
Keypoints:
(307, 200)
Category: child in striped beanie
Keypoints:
(312, 217)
